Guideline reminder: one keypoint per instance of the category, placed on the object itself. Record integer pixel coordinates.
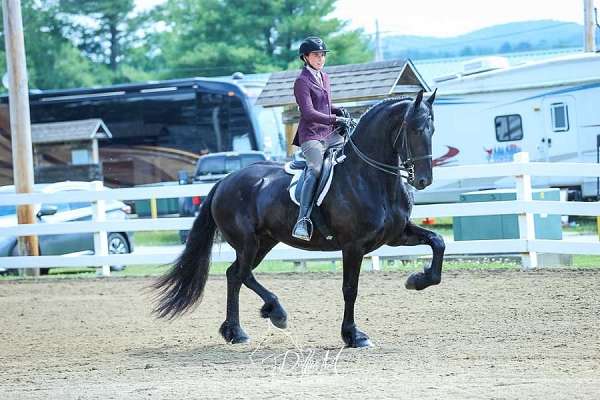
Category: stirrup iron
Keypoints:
(309, 229)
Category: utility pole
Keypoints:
(589, 23)
(378, 51)
(20, 125)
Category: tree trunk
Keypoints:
(114, 43)
(269, 43)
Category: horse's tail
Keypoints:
(183, 285)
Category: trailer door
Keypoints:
(560, 129)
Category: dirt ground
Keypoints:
(490, 335)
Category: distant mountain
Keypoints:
(506, 38)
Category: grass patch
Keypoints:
(441, 226)
(417, 264)
(275, 267)
(585, 261)
(577, 225)
(157, 238)
(582, 225)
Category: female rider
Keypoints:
(315, 130)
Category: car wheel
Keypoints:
(117, 244)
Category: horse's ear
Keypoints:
(432, 97)
(418, 99)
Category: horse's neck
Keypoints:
(377, 147)
(358, 171)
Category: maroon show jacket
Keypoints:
(316, 112)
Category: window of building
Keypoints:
(509, 128)
(560, 117)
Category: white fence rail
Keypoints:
(527, 246)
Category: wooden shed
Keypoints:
(68, 150)
(355, 86)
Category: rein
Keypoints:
(407, 166)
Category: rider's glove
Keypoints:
(344, 125)
(342, 112)
(343, 122)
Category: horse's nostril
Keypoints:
(422, 182)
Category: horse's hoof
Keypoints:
(240, 339)
(276, 313)
(355, 338)
(362, 342)
(415, 281)
(280, 323)
(420, 281)
(233, 333)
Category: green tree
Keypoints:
(52, 61)
(108, 32)
(72, 43)
(218, 37)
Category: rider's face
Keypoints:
(316, 59)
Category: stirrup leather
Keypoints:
(309, 229)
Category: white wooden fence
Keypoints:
(522, 170)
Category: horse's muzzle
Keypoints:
(421, 183)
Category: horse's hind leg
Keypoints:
(432, 275)
(272, 309)
(231, 329)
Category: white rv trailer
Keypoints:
(550, 109)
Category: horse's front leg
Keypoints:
(414, 235)
(351, 335)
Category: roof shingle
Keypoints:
(348, 82)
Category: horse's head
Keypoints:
(413, 141)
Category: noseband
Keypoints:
(408, 165)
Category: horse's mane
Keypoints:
(384, 102)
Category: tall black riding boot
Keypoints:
(301, 229)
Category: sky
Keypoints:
(444, 18)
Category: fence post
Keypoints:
(300, 266)
(153, 208)
(100, 237)
(375, 263)
(526, 225)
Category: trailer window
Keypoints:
(508, 128)
(560, 117)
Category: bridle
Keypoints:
(408, 165)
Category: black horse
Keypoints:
(367, 206)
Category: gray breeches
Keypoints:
(314, 150)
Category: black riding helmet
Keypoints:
(310, 44)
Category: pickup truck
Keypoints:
(209, 169)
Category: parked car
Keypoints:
(209, 169)
(119, 242)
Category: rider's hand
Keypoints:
(344, 125)
(342, 112)
(343, 121)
